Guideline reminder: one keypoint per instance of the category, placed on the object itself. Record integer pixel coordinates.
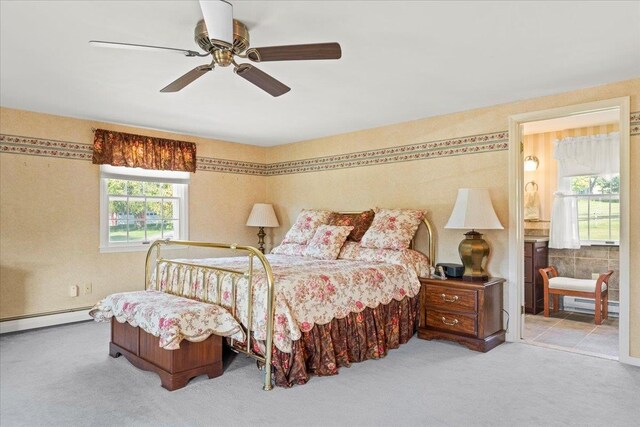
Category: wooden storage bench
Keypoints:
(178, 338)
(175, 367)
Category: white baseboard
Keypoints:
(630, 360)
(43, 321)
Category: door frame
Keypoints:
(516, 214)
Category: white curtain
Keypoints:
(564, 232)
(588, 155)
(578, 156)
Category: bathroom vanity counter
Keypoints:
(536, 239)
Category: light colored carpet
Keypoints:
(63, 376)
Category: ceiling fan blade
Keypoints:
(187, 78)
(295, 52)
(261, 79)
(118, 45)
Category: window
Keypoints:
(598, 200)
(138, 206)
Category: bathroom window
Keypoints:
(598, 200)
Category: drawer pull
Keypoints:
(445, 299)
(455, 322)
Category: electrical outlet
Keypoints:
(87, 289)
(595, 276)
(73, 291)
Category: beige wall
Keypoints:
(49, 216)
(541, 146)
(432, 184)
(39, 262)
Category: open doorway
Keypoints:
(571, 210)
(590, 257)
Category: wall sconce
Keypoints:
(531, 163)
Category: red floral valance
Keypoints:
(138, 151)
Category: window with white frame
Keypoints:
(138, 206)
(586, 207)
(598, 200)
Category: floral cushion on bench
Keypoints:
(169, 317)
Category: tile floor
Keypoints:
(574, 332)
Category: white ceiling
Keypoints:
(401, 61)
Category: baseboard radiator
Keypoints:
(35, 321)
(588, 306)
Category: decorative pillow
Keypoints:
(305, 225)
(360, 222)
(327, 241)
(350, 250)
(392, 228)
(291, 249)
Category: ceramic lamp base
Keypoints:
(474, 252)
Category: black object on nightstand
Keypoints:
(452, 270)
(469, 313)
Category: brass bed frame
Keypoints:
(183, 267)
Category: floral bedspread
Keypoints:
(169, 317)
(408, 257)
(308, 291)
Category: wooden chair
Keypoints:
(589, 288)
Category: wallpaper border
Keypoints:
(473, 144)
(13, 144)
(496, 141)
(635, 123)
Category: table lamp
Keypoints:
(262, 215)
(473, 210)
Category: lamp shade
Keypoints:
(218, 17)
(474, 210)
(262, 215)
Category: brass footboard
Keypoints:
(187, 268)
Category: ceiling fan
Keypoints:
(227, 39)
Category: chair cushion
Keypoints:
(571, 284)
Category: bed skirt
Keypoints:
(369, 334)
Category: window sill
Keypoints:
(135, 248)
(615, 244)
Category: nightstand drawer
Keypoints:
(454, 322)
(444, 298)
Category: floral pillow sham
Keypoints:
(392, 228)
(327, 241)
(359, 221)
(304, 227)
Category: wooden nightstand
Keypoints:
(469, 313)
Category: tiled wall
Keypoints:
(580, 263)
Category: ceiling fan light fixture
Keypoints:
(218, 17)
